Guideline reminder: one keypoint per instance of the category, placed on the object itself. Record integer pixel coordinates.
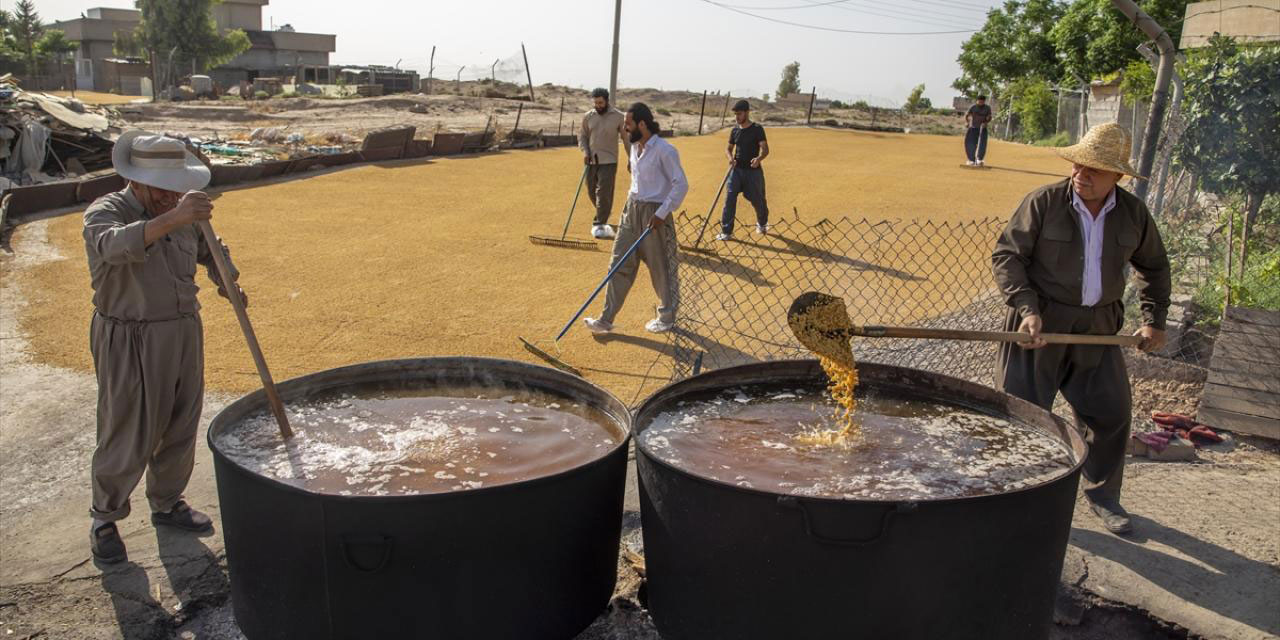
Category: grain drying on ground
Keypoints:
(420, 258)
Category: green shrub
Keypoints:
(290, 94)
(1059, 139)
(261, 95)
(663, 112)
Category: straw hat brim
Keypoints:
(192, 177)
(1091, 156)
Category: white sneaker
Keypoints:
(598, 231)
(981, 163)
(762, 229)
(598, 327)
(723, 237)
(656, 325)
(971, 163)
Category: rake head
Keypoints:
(564, 243)
(550, 359)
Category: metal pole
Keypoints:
(813, 95)
(1159, 97)
(561, 120)
(527, 74)
(457, 82)
(613, 70)
(702, 111)
(492, 73)
(431, 71)
(726, 110)
(519, 112)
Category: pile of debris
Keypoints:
(44, 138)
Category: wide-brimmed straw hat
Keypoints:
(1104, 147)
(158, 161)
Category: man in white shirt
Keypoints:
(658, 186)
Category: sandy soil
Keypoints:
(97, 97)
(432, 258)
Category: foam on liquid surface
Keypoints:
(398, 443)
(909, 449)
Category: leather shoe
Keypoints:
(1113, 517)
(106, 545)
(182, 516)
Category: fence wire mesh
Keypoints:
(735, 294)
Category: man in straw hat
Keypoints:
(1061, 265)
(146, 337)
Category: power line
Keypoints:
(834, 29)
(954, 5)
(910, 14)
(787, 7)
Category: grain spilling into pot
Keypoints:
(836, 357)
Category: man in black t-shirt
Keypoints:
(747, 150)
(975, 138)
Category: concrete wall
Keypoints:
(1245, 20)
(293, 41)
(231, 15)
(274, 59)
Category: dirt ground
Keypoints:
(433, 258)
(97, 97)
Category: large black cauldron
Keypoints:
(728, 563)
(531, 560)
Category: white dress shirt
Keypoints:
(1092, 230)
(656, 175)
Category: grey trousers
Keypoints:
(150, 393)
(1092, 378)
(658, 252)
(600, 181)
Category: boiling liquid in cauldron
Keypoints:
(404, 443)
(909, 449)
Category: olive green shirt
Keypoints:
(1041, 254)
(135, 282)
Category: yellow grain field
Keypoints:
(421, 258)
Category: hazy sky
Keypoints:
(669, 44)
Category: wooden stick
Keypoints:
(233, 294)
(873, 331)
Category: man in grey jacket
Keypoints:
(602, 127)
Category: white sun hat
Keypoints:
(158, 161)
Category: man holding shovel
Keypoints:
(747, 150)
(602, 128)
(975, 137)
(658, 186)
(146, 337)
(1061, 266)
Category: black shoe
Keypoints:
(1113, 517)
(182, 516)
(106, 545)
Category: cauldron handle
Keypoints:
(366, 540)
(792, 502)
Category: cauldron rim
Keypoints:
(257, 398)
(1075, 442)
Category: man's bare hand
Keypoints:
(586, 158)
(657, 222)
(244, 297)
(1153, 339)
(733, 162)
(1032, 325)
(755, 163)
(193, 207)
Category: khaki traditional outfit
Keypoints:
(598, 139)
(1057, 260)
(148, 353)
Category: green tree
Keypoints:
(53, 44)
(916, 102)
(1137, 82)
(188, 26)
(1033, 100)
(25, 28)
(128, 44)
(790, 80)
(1232, 107)
(8, 46)
(1013, 43)
(1093, 38)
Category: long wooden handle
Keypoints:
(233, 294)
(873, 331)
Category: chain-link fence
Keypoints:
(735, 295)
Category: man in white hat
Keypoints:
(1061, 266)
(146, 337)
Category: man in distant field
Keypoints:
(975, 137)
(1061, 265)
(143, 245)
(602, 128)
(747, 150)
(658, 186)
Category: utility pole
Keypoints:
(1159, 97)
(493, 77)
(613, 70)
(702, 111)
(431, 70)
(527, 74)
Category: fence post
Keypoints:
(561, 120)
(702, 111)
(527, 73)
(813, 95)
(516, 129)
(431, 71)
